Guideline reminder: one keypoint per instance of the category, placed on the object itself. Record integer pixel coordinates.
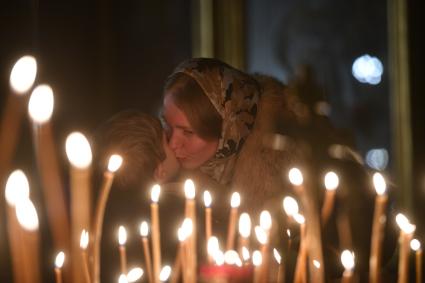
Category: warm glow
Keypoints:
(165, 273)
(60, 259)
(231, 257)
(295, 177)
(288, 232)
(23, 74)
(40, 105)
(367, 69)
(316, 263)
(261, 235)
(265, 220)
(144, 229)
(207, 199)
(122, 235)
(415, 244)
(257, 258)
(155, 192)
(347, 260)
(181, 235)
(290, 205)
(17, 187)
(78, 150)
(212, 245)
(189, 189)
(235, 201)
(299, 218)
(244, 225)
(84, 240)
(245, 254)
(218, 257)
(27, 214)
(379, 183)
(122, 279)
(277, 256)
(331, 181)
(115, 162)
(404, 224)
(187, 227)
(134, 274)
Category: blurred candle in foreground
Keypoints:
(60, 259)
(379, 219)
(134, 274)
(122, 279)
(257, 260)
(347, 260)
(190, 212)
(156, 238)
(23, 74)
(244, 231)
(235, 201)
(144, 231)
(331, 184)
(406, 233)
(84, 242)
(165, 273)
(416, 246)
(122, 239)
(208, 220)
(281, 267)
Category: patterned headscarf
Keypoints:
(235, 96)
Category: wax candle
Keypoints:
(416, 246)
(406, 233)
(190, 212)
(60, 258)
(144, 231)
(122, 239)
(234, 203)
(208, 217)
(244, 231)
(134, 274)
(347, 259)
(379, 219)
(257, 261)
(156, 238)
(84, 242)
(165, 273)
(280, 267)
(331, 184)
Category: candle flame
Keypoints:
(331, 181)
(60, 259)
(290, 205)
(404, 224)
(187, 227)
(134, 274)
(347, 260)
(245, 254)
(299, 218)
(261, 235)
(27, 214)
(379, 183)
(277, 256)
(257, 258)
(316, 263)
(122, 279)
(122, 235)
(115, 162)
(295, 177)
(155, 192)
(244, 225)
(144, 229)
(165, 273)
(231, 257)
(181, 235)
(235, 201)
(218, 257)
(415, 244)
(23, 74)
(213, 245)
(189, 189)
(265, 220)
(84, 240)
(288, 232)
(17, 187)
(207, 199)
(78, 150)
(40, 105)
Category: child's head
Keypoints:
(140, 140)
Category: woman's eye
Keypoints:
(187, 132)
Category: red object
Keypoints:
(227, 273)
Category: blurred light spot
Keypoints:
(377, 158)
(367, 69)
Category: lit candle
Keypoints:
(79, 155)
(331, 184)
(190, 212)
(115, 162)
(290, 206)
(123, 278)
(244, 231)
(60, 258)
(235, 201)
(21, 80)
(122, 239)
(40, 109)
(257, 261)
(313, 235)
(300, 268)
(406, 233)
(266, 225)
(144, 231)
(84, 242)
(165, 273)
(245, 254)
(179, 262)
(231, 257)
(281, 268)
(213, 247)
(134, 274)
(208, 220)
(156, 238)
(379, 220)
(347, 260)
(416, 246)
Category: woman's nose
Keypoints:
(175, 141)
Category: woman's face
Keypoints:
(190, 149)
